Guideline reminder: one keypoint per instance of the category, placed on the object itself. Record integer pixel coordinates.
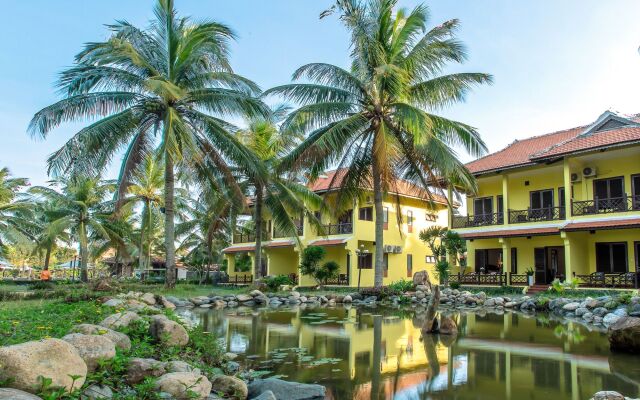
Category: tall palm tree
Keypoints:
(16, 212)
(79, 210)
(275, 193)
(377, 119)
(167, 87)
(48, 235)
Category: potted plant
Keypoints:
(530, 273)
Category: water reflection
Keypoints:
(379, 353)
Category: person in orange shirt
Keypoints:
(45, 275)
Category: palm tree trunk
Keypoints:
(258, 231)
(379, 226)
(84, 259)
(141, 247)
(47, 258)
(169, 228)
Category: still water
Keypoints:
(379, 353)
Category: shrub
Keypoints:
(310, 265)
(327, 271)
(443, 269)
(42, 285)
(274, 282)
(454, 285)
(242, 262)
(402, 285)
(380, 292)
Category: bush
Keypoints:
(381, 292)
(242, 262)
(443, 269)
(402, 285)
(274, 282)
(310, 265)
(42, 285)
(454, 285)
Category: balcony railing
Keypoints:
(338, 229)
(477, 220)
(248, 237)
(606, 206)
(281, 234)
(536, 214)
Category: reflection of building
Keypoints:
(565, 203)
(344, 232)
(507, 356)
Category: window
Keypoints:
(409, 265)
(611, 257)
(483, 206)
(365, 214)
(514, 260)
(637, 251)
(385, 217)
(500, 201)
(430, 217)
(541, 199)
(612, 188)
(365, 261)
(561, 201)
(409, 221)
(430, 259)
(635, 190)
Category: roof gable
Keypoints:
(608, 121)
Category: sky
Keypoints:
(556, 64)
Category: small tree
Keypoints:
(455, 247)
(442, 272)
(434, 238)
(310, 265)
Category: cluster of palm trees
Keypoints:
(161, 99)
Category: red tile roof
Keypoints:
(280, 244)
(609, 224)
(329, 242)
(238, 249)
(511, 233)
(404, 188)
(556, 144)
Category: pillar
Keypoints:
(567, 255)
(567, 189)
(506, 254)
(505, 199)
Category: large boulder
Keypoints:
(184, 385)
(243, 298)
(286, 390)
(15, 394)
(166, 303)
(230, 386)
(92, 348)
(448, 326)
(268, 395)
(140, 368)
(149, 298)
(422, 278)
(121, 340)
(607, 395)
(168, 332)
(24, 365)
(610, 319)
(120, 320)
(624, 335)
(181, 366)
(97, 392)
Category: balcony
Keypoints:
(338, 229)
(606, 205)
(536, 215)
(249, 237)
(277, 233)
(471, 221)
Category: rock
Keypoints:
(230, 356)
(448, 326)
(184, 385)
(347, 299)
(510, 304)
(114, 302)
(571, 306)
(230, 386)
(24, 364)
(231, 367)
(168, 332)
(580, 311)
(120, 320)
(286, 390)
(256, 293)
(268, 395)
(97, 392)
(140, 368)
(166, 303)
(624, 334)
(611, 305)
(121, 340)
(200, 300)
(243, 298)
(92, 348)
(15, 394)
(295, 294)
(422, 278)
(587, 316)
(490, 303)
(593, 303)
(423, 288)
(149, 298)
(610, 319)
(181, 366)
(607, 395)
(600, 312)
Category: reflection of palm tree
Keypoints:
(377, 356)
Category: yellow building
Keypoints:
(404, 253)
(565, 204)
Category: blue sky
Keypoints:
(556, 64)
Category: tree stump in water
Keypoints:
(431, 323)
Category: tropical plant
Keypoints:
(442, 271)
(402, 285)
(286, 201)
(79, 210)
(242, 262)
(16, 212)
(434, 238)
(377, 119)
(455, 246)
(157, 88)
(274, 282)
(48, 235)
(530, 272)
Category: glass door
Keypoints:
(609, 194)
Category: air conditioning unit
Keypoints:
(387, 248)
(575, 177)
(588, 172)
(397, 249)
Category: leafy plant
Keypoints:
(530, 272)
(274, 282)
(310, 265)
(402, 285)
(242, 262)
(442, 271)
(454, 285)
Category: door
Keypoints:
(482, 210)
(500, 211)
(609, 194)
(635, 183)
(540, 260)
(541, 202)
(555, 263)
(561, 202)
(611, 257)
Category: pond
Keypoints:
(379, 353)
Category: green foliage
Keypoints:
(310, 264)
(559, 287)
(454, 285)
(380, 292)
(42, 285)
(402, 285)
(242, 262)
(274, 282)
(530, 272)
(442, 271)
(434, 237)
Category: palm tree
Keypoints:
(275, 193)
(377, 119)
(167, 87)
(49, 233)
(79, 210)
(16, 223)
